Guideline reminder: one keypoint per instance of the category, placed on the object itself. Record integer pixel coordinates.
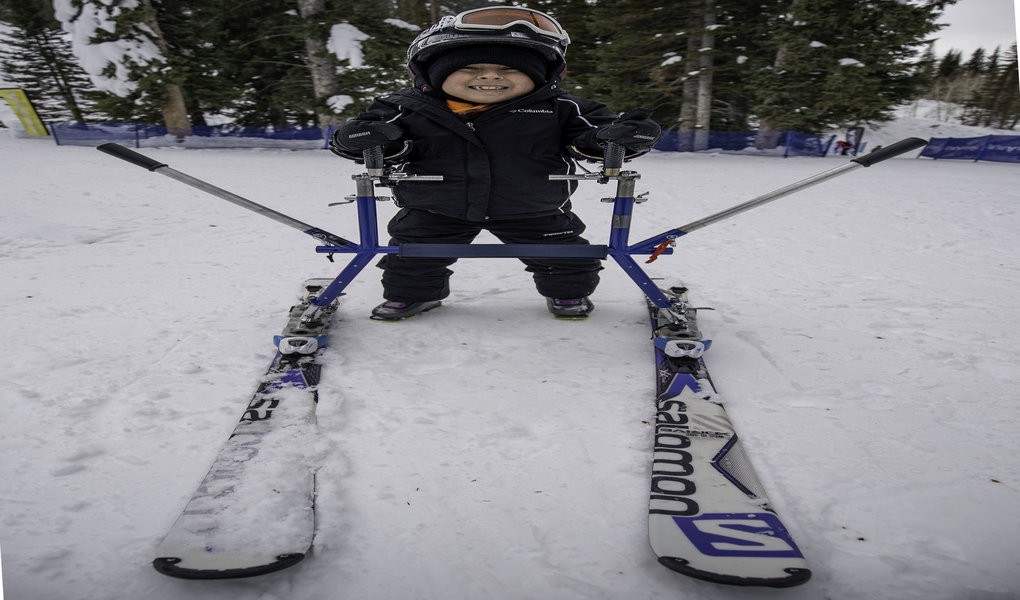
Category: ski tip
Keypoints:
(172, 567)
(794, 575)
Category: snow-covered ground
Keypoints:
(866, 343)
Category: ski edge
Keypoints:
(797, 576)
(167, 565)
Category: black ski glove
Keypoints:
(633, 130)
(367, 131)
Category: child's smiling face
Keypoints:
(486, 83)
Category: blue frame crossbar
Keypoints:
(617, 249)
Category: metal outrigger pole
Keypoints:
(900, 147)
(618, 248)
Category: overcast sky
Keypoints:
(974, 24)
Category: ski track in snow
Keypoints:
(865, 345)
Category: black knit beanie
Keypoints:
(526, 61)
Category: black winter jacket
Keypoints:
(496, 164)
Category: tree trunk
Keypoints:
(175, 113)
(704, 113)
(689, 91)
(767, 137)
(321, 64)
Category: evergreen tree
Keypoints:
(976, 64)
(840, 63)
(788, 63)
(574, 16)
(1007, 109)
(950, 65)
(380, 68)
(945, 82)
(193, 34)
(259, 55)
(995, 100)
(744, 46)
(38, 59)
(699, 64)
(994, 59)
(927, 66)
(120, 44)
(959, 83)
(641, 55)
(416, 12)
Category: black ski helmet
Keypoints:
(512, 25)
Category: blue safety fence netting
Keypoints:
(771, 143)
(998, 148)
(140, 135)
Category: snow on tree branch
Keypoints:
(108, 55)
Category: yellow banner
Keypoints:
(24, 110)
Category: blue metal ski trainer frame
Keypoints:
(619, 248)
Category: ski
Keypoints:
(709, 516)
(254, 512)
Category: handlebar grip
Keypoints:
(613, 158)
(130, 156)
(374, 158)
(890, 151)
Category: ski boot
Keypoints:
(395, 311)
(570, 308)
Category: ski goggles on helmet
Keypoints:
(502, 18)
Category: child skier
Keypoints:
(488, 114)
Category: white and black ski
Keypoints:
(254, 512)
(709, 517)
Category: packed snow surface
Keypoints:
(865, 343)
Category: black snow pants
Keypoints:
(424, 279)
